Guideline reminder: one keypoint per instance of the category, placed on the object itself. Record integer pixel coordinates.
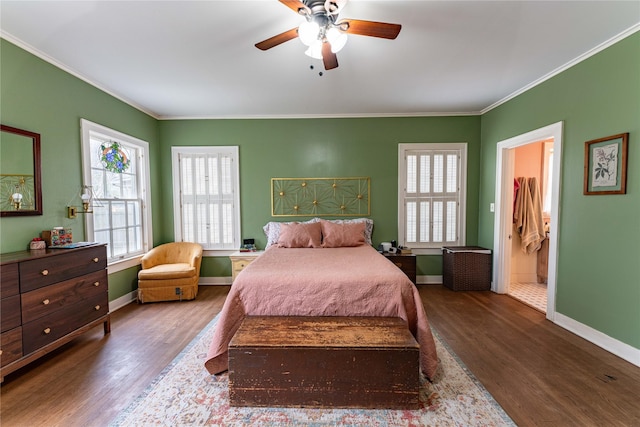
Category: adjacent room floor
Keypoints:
(531, 293)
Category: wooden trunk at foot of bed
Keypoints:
(324, 362)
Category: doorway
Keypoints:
(529, 261)
(503, 225)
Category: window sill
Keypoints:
(218, 252)
(123, 264)
(426, 251)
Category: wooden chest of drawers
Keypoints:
(48, 298)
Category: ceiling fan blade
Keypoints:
(371, 28)
(278, 39)
(329, 58)
(294, 5)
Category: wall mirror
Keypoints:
(20, 174)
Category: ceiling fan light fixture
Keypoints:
(333, 7)
(322, 32)
(315, 50)
(308, 32)
(337, 39)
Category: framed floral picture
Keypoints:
(605, 165)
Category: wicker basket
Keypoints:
(466, 268)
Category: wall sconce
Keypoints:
(86, 198)
(18, 193)
(16, 199)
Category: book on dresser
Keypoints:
(48, 297)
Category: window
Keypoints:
(121, 206)
(431, 195)
(206, 196)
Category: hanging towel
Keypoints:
(518, 203)
(516, 187)
(528, 215)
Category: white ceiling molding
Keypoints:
(196, 60)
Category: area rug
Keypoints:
(184, 394)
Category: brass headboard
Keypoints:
(320, 196)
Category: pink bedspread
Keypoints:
(354, 281)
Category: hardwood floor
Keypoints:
(539, 373)
(91, 379)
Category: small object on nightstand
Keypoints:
(248, 245)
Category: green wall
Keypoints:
(598, 277)
(321, 148)
(598, 261)
(21, 150)
(41, 98)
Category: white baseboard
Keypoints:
(214, 281)
(118, 303)
(612, 345)
(428, 280)
(620, 349)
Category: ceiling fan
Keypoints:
(323, 33)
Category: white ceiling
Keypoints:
(196, 59)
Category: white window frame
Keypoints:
(403, 150)
(87, 127)
(176, 152)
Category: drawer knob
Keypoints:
(0, 352)
(96, 259)
(399, 264)
(46, 302)
(96, 284)
(44, 272)
(97, 307)
(47, 331)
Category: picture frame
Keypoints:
(605, 165)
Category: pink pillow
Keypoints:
(300, 235)
(342, 235)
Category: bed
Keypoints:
(336, 274)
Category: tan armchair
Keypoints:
(170, 272)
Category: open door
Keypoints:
(503, 209)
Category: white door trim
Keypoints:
(503, 199)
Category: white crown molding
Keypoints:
(14, 40)
(321, 116)
(602, 46)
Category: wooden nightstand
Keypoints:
(406, 263)
(240, 260)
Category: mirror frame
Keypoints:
(37, 184)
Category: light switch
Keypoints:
(492, 207)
